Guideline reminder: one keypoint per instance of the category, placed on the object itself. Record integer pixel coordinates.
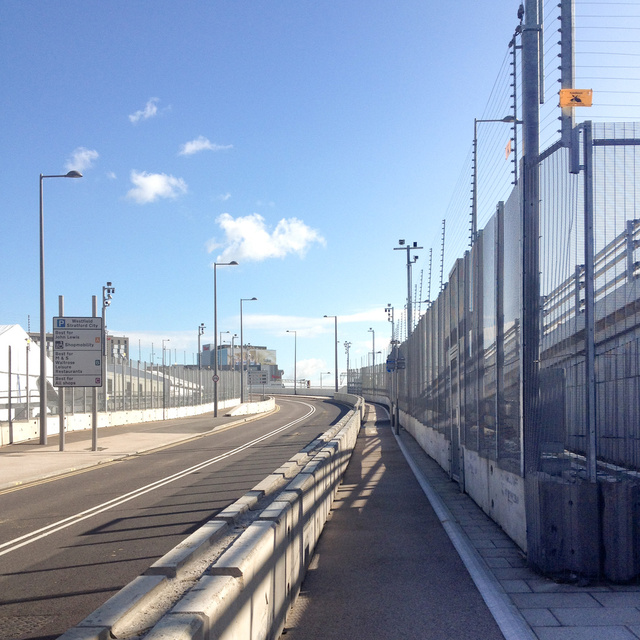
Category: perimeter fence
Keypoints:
(130, 385)
(562, 478)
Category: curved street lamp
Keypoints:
(43, 331)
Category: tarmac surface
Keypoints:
(404, 554)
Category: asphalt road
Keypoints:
(69, 544)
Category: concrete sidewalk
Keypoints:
(392, 563)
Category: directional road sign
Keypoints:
(77, 352)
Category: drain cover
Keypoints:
(16, 627)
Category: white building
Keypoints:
(25, 373)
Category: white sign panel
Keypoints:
(77, 352)
(258, 377)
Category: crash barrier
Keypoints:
(248, 408)
(237, 575)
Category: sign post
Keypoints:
(77, 352)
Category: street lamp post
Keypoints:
(373, 368)
(408, 248)
(201, 329)
(335, 344)
(242, 350)
(323, 373)
(347, 346)
(43, 331)
(220, 344)
(215, 332)
(233, 366)
(395, 420)
(474, 197)
(107, 295)
(295, 361)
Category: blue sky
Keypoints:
(301, 139)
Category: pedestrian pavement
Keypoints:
(382, 569)
(403, 554)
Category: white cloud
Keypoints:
(149, 111)
(81, 159)
(249, 239)
(224, 196)
(311, 368)
(151, 186)
(201, 144)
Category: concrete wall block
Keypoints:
(178, 627)
(86, 633)
(296, 545)
(251, 558)
(270, 484)
(124, 606)
(282, 515)
(304, 485)
(221, 603)
(189, 550)
(240, 506)
(621, 530)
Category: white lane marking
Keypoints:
(28, 538)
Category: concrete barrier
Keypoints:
(246, 589)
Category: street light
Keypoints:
(107, 295)
(347, 346)
(474, 198)
(233, 263)
(373, 369)
(408, 248)
(201, 329)
(219, 359)
(233, 366)
(323, 373)
(336, 347)
(242, 350)
(43, 333)
(295, 361)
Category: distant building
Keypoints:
(255, 359)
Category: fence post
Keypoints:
(589, 303)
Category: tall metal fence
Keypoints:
(130, 385)
(574, 458)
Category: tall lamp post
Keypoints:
(43, 329)
(323, 373)
(474, 197)
(373, 368)
(215, 332)
(233, 365)
(393, 369)
(242, 350)
(220, 344)
(347, 346)
(335, 344)
(201, 329)
(107, 295)
(295, 361)
(409, 248)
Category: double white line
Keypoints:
(54, 527)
